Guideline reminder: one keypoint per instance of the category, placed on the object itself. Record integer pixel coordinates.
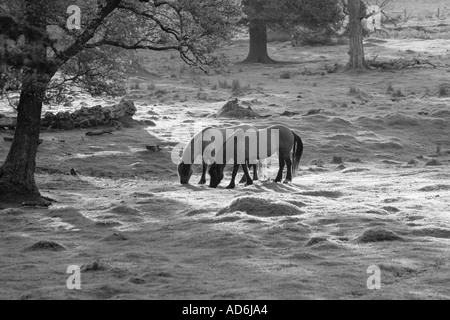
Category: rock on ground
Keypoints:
(233, 110)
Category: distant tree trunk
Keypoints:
(258, 46)
(17, 172)
(356, 14)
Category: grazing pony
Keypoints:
(192, 151)
(276, 139)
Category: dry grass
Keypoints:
(443, 91)
(444, 34)
(432, 16)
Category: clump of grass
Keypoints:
(136, 85)
(443, 91)
(337, 160)
(236, 86)
(224, 84)
(379, 235)
(353, 91)
(390, 88)
(151, 86)
(433, 163)
(202, 96)
(398, 94)
(214, 87)
(439, 150)
(173, 56)
(286, 75)
(161, 92)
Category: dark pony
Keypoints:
(185, 167)
(288, 141)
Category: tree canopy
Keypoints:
(193, 28)
(39, 53)
(285, 14)
(289, 13)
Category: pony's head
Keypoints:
(185, 172)
(216, 173)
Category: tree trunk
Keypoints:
(17, 173)
(258, 46)
(356, 14)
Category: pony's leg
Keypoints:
(233, 177)
(247, 175)
(244, 178)
(203, 179)
(280, 171)
(255, 172)
(289, 171)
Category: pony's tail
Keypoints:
(296, 153)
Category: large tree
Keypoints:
(284, 14)
(356, 12)
(36, 45)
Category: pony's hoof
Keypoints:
(287, 181)
(243, 181)
(202, 183)
(230, 187)
(277, 181)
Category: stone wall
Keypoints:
(90, 117)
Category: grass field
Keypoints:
(137, 233)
